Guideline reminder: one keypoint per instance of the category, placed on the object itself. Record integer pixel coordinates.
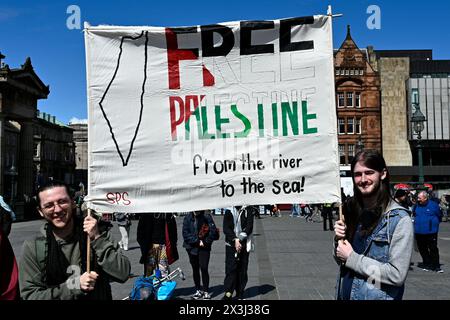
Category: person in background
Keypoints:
(9, 273)
(327, 214)
(374, 242)
(157, 237)
(238, 229)
(427, 216)
(124, 222)
(199, 233)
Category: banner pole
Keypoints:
(88, 253)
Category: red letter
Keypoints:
(125, 201)
(110, 197)
(173, 121)
(174, 55)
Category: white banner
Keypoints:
(211, 116)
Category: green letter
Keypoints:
(307, 117)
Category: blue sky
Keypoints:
(38, 29)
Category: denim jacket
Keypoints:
(380, 262)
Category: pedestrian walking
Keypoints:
(427, 216)
(124, 222)
(54, 264)
(374, 243)
(199, 233)
(327, 215)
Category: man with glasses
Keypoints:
(53, 265)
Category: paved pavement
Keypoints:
(292, 261)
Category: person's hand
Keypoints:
(339, 229)
(87, 281)
(343, 250)
(237, 245)
(201, 244)
(91, 228)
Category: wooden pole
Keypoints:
(88, 253)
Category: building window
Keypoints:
(352, 72)
(350, 99)
(358, 100)
(350, 128)
(341, 129)
(337, 72)
(341, 100)
(351, 152)
(342, 154)
(346, 72)
(358, 126)
(361, 72)
(342, 72)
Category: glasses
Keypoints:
(49, 207)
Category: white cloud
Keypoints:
(78, 121)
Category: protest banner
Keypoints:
(210, 116)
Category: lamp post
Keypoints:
(12, 171)
(359, 145)
(417, 121)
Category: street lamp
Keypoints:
(359, 145)
(417, 121)
(12, 171)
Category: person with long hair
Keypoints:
(199, 232)
(374, 242)
(157, 238)
(54, 265)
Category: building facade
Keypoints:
(357, 101)
(54, 151)
(80, 139)
(20, 89)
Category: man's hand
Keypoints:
(343, 250)
(87, 281)
(91, 228)
(339, 229)
(237, 245)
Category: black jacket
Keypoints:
(247, 218)
(191, 232)
(144, 233)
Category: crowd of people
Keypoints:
(74, 256)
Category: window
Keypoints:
(341, 101)
(346, 72)
(341, 129)
(352, 72)
(361, 72)
(337, 72)
(358, 126)
(350, 128)
(358, 100)
(342, 154)
(350, 99)
(351, 152)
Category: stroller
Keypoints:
(154, 287)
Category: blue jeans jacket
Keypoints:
(375, 246)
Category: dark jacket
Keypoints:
(191, 230)
(145, 236)
(247, 218)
